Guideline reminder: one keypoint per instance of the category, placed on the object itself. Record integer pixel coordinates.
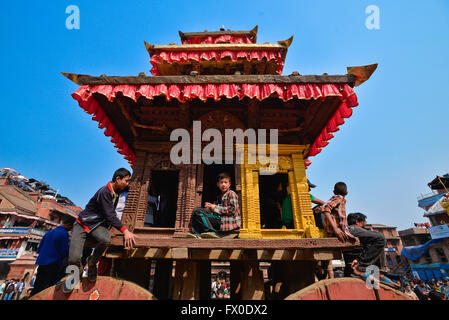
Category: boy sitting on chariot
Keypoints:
(334, 212)
(222, 216)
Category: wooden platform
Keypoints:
(231, 249)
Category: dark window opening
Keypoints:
(22, 224)
(427, 257)
(275, 201)
(162, 199)
(210, 174)
(31, 246)
(441, 254)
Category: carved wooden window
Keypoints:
(290, 163)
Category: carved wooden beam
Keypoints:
(82, 79)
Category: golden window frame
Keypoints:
(290, 161)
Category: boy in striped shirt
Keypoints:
(222, 216)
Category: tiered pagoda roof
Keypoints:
(223, 70)
(218, 52)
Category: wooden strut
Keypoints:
(162, 128)
(133, 122)
(128, 117)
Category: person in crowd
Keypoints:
(314, 199)
(339, 273)
(445, 288)
(434, 293)
(225, 293)
(95, 220)
(334, 213)
(52, 250)
(2, 288)
(105, 264)
(9, 290)
(214, 288)
(121, 202)
(421, 290)
(20, 287)
(287, 211)
(224, 216)
(408, 291)
(372, 245)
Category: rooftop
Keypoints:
(380, 226)
(413, 231)
(439, 183)
(213, 74)
(251, 34)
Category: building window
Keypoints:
(427, 258)
(441, 255)
(398, 260)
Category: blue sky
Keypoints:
(386, 152)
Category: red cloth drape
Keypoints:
(188, 92)
(184, 56)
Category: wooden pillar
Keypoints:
(301, 197)
(205, 280)
(143, 194)
(192, 280)
(134, 270)
(291, 276)
(199, 185)
(129, 214)
(162, 278)
(186, 199)
(246, 281)
(238, 184)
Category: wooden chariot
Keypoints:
(227, 81)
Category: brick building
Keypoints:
(28, 209)
(393, 259)
(427, 248)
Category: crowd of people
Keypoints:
(426, 290)
(12, 289)
(219, 288)
(104, 210)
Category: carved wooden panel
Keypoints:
(186, 198)
(129, 214)
(221, 120)
(290, 161)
